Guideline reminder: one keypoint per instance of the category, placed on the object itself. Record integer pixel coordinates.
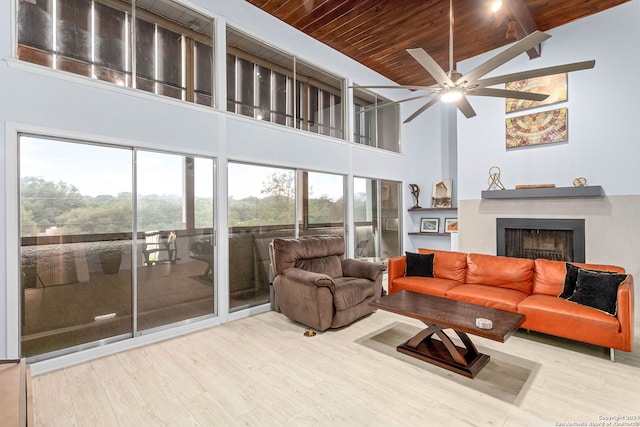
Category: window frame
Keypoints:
(298, 115)
(370, 121)
(134, 12)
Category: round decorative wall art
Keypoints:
(538, 128)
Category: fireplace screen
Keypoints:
(554, 239)
(549, 244)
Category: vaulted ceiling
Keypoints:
(377, 33)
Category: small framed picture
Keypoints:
(429, 225)
(451, 225)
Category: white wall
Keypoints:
(34, 98)
(602, 109)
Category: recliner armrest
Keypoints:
(309, 278)
(362, 269)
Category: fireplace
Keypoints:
(556, 239)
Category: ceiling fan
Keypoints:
(454, 87)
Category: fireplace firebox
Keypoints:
(555, 239)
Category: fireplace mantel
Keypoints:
(524, 193)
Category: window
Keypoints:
(376, 216)
(167, 49)
(261, 207)
(261, 83)
(321, 197)
(374, 124)
(84, 256)
(264, 202)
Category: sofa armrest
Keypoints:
(626, 312)
(362, 269)
(397, 267)
(304, 277)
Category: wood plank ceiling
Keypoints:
(377, 33)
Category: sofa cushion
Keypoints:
(329, 265)
(503, 272)
(550, 276)
(447, 264)
(350, 291)
(598, 289)
(556, 316)
(301, 253)
(490, 296)
(424, 285)
(570, 280)
(419, 265)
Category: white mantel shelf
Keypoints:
(525, 193)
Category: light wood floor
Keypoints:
(263, 371)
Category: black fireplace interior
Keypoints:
(555, 239)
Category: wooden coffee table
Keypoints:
(441, 313)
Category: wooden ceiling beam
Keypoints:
(520, 14)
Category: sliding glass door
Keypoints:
(76, 235)
(264, 203)
(93, 215)
(321, 201)
(261, 207)
(175, 230)
(376, 217)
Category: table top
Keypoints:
(457, 315)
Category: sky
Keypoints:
(102, 170)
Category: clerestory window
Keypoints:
(375, 123)
(269, 85)
(159, 47)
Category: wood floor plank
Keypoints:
(52, 402)
(263, 371)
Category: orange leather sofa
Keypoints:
(523, 286)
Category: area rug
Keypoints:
(505, 377)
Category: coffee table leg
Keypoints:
(443, 352)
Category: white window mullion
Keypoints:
(93, 39)
(54, 20)
(183, 54)
(288, 103)
(127, 63)
(256, 91)
(272, 95)
(155, 58)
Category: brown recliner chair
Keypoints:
(316, 286)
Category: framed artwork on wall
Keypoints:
(545, 127)
(555, 86)
(451, 225)
(441, 193)
(429, 225)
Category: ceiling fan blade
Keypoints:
(421, 109)
(502, 93)
(547, 71)
(432, 67)
(464, 107)
(409, 87)
(386, 104)
(506, 55)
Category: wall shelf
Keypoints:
(417, 233)
(431, 209)
(524, 193)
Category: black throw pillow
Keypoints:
(419, 264)
(598, 290)
(569, 281)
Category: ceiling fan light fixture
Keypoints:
(451, 95)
